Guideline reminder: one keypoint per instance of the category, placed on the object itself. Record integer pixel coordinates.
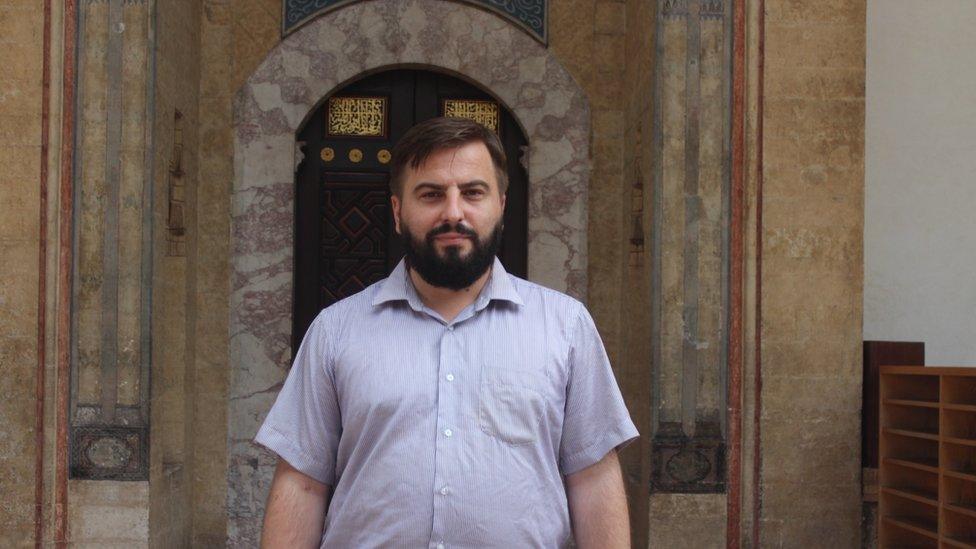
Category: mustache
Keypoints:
(452, 228)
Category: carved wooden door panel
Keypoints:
(344, 232)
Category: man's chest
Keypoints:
(503, 375)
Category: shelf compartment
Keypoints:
(914, 495)
(909, 418)
(910, 480)
(960, 493)
(959, 390)
(959, 424)
(959, 458)
(924, 519)
(909, 525)
(911, 387)
(960, 527)
(911, 449)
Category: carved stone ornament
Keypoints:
(529, 15)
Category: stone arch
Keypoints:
(297, 74)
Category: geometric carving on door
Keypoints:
(354, 233)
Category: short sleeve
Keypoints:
(304, 425)
(596, 419)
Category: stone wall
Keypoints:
(812, 214)
(633, 367)
(108, 514)
(172, 480)
(21, 50)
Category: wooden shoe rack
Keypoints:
(927, 451)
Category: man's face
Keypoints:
(450, 215)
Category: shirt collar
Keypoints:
(399, 287)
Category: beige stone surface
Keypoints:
(687, 520)
(812, 273)
(174, 311)
(20, 161)
(588, 37)
(108, 513)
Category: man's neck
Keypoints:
(448, 303)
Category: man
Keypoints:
(451, 404)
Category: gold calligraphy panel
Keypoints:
(483, 112)
(357, 116)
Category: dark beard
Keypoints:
(451, 271)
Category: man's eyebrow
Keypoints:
(425, 185)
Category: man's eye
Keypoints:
(430, 194)
(474, 192)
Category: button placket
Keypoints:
(446, 449)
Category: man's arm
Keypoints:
(598, 505)
(295, 511)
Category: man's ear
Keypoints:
(395, 204)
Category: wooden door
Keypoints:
(344, 232)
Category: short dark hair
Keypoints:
(436, 134)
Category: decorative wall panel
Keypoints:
(483, 112)
(530, 15)
(692, 123)
(110, 309)
(357, 116)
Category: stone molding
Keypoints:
(296, 76)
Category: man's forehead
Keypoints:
(468, 163)
(474, 152)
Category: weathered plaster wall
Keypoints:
(108, 514)
(172, 480)
(21, 49)
(921, 127)
(234, 38)
(813, 211)
(588, 38)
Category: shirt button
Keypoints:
(445, 491)
(449, 377)
(448, 433)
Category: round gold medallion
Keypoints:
(383, 156)
(355, 155)
(327, 154)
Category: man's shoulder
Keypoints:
(347, 308)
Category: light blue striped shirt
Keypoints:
(448, 434)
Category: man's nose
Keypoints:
(453, 211)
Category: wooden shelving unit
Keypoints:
(927, 451)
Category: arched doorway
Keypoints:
(344, 236)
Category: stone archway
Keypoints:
(306, 67)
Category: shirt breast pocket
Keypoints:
(511, 404)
